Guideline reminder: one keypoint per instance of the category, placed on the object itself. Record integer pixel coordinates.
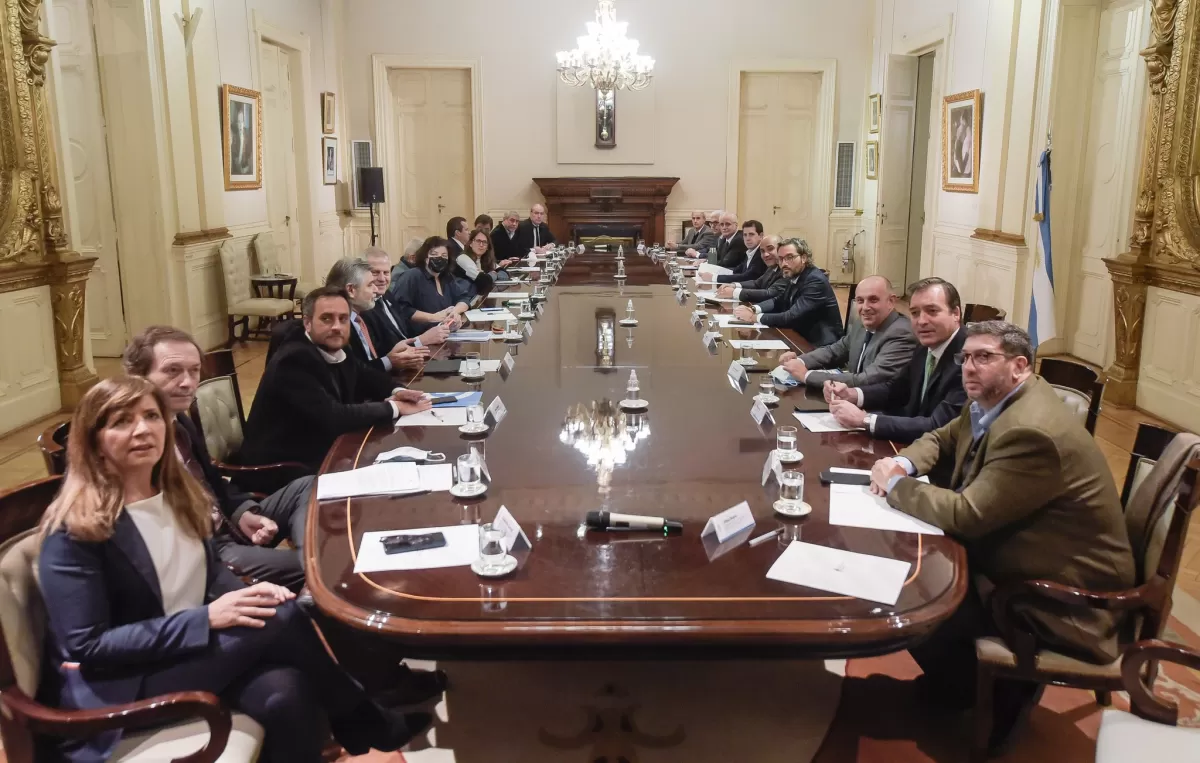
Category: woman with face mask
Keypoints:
(429, 293)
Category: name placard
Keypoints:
(738, 378)
(730, 522)
(759, 411)
(772, 466)
(509, 361)
(507, 523)
(496, 410)
(710, 338)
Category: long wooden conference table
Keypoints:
(596, 594)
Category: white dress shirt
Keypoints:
(178, 558)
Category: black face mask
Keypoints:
(437, 264)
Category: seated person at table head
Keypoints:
(758, 289)
(876, 348)
(534, 233)
(375, 346)
(929, 394)
(505, 242)
(731, 249)
(382, 318)
(752, 265)
(430, 293)
(476, 264)
(803, 300)
(1031, 497)
(406, 260)
(139, 606)
(699, 238)
(486, 222)
(313, 391)
(248, 531)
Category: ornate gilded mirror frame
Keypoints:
(34, 249)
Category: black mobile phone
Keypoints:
(445, 400)
(399, 544)
(841, 478)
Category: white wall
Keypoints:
(517, 47)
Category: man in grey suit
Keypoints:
(699, 239)
(877, 347)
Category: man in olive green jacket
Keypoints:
(1030, 497)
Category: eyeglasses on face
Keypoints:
(792, 257)
(980, 358)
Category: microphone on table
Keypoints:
(607, 520)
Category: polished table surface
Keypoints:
(579, 591)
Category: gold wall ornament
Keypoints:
(1129, 299)
(68, 288)
(1162, 41)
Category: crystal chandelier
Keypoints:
(606, 59)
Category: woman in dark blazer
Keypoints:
(139, 605)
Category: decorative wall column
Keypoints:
(1129, 271)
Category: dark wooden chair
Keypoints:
(850, 306)
(1078, 386)
(974, 313)
(53, 444)
(1016, 655)
(1148, 447)
(201, 729)
(1148, 733)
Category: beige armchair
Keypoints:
(266, 253)
(191, 727)
(1149, 732)
(241, 303)
(1079, 387)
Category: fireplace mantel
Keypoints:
(640, 202)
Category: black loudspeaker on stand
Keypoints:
(370, 191)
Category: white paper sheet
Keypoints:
(708, 267)
(524, 270)
(487, 366)
(724, 319)
(856, 506)
(377, 479)
(759, 344)
(509, 295)
(435, 417)
(822, 422)
(479, 316)
(462, 548)
(874, 578)
(436, 478)
(711, 296)
(469, 336)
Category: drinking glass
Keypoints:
(747, 358)
(766, 390)
(699, 300)
(785, 443)
(471, 366)
(526, 307)
(791, 488)
(491, 548)
(510, 325)
(468, 471)
(475, 414)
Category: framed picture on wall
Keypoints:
(329, 159)
(872, 160)
(875, 112)
(241, 132)
(962, 124)
(328, 113)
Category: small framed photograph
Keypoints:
(328, 113)
(241, 131)
(875, 112)
(872, 160)
(329, 160)
(962, 125)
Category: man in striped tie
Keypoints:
(930, 394)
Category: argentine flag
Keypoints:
(1041, 304)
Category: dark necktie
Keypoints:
(863, 355)
(535, 236)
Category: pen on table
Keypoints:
(764, 538)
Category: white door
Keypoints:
(279, 156)
(432, 158)
(777, 155)
(1109, 177)
(895, 168)
(920, 170)
(93, 210)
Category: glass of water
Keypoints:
(791, 488)
(468, 471)
(747, 358)
(471, 367)
(766, 392)
(526, 307)
(785, 443)
(475, 414)
(491, 548)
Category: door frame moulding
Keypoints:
(385, 118)
(824, 137)
(296, 43)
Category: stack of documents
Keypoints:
(491, 314)
(509, 295)
(470, 336)
(856, 506)
(377, 479)
(822, 422)
(462, 548)
(435, 417)
(759, 344)
(724, 319)
(874, 578)
(716, 270)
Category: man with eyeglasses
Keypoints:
(806, 304)
(756, 290)
(1032, 498)
(929, 393)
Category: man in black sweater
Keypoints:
(249, 531)
(930, 393)
(312, 391)
(505, 244)
(807, 305)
